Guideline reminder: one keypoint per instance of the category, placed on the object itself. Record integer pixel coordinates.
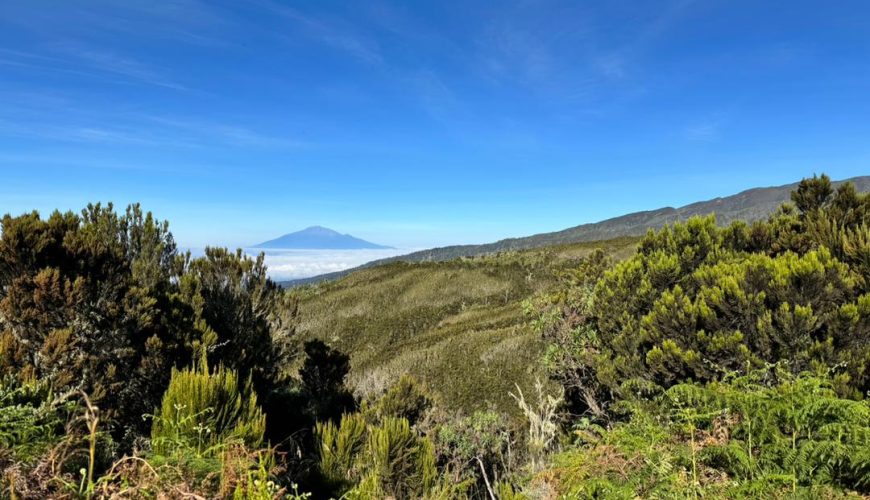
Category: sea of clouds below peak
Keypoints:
(295, 264)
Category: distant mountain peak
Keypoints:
(749, 205)
(319, 230)
(319, 238)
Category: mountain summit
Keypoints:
(321, 238)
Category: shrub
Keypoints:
(322, 377)
(405, 399)
(204, 411)
(363, 460)
(698, 302)
(85, 303)
(480, 448)
(750, 437)
(32, 420)
(542, 418)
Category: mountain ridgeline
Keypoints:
(319, 238)
(749, 206)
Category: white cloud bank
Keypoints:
(295, 264)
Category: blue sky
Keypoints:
(417, 124)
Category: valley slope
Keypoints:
(456, 323)
(457, 326)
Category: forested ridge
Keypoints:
(696, 361)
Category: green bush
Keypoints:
(32, 420)
(204, 411)
(362, 460)
(749, 437)
(478, 448)
(798, 429)
(698, 302)
(405, 399)
(86, 303)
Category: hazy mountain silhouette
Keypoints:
(320, 238)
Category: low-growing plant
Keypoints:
(389, 459)
(405, 399)
(481, 448)
(542, 417)
(32, 419)
(203, 411)
(753, 436)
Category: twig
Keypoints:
(485, 478)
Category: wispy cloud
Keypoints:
(702, 132)
(121, 65)
(552, 51)
(711, 127)
(516, 50)
(616, 63)
(48, 159)
(79, 133)
(433, 94)
(98, 134)
(226, 132)
(187, 21)
(57, 116)
(339, 36)
(190, 21)
(75, 59)
(612, 65)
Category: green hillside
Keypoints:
(457, 326)
(750, 205)
(698, 361)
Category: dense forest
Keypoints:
(696, 361)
